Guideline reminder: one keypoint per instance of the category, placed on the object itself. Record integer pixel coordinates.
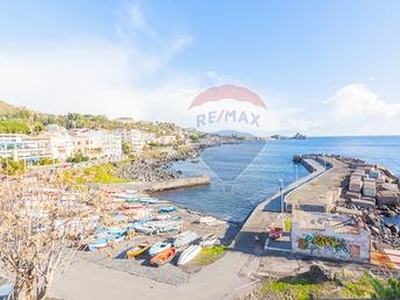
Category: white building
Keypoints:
(97, 143)
(137, 139)
(57, 142)
(20, 147)
(111, 144)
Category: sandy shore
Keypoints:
(105, 274)
(224, 279)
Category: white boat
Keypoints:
(189, 254)
(209, 240)
(207, 219)
(185, 238)
(159, 247)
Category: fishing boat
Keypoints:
(167, 209)
(98, 243)
(185, 238)
(189, 254)
(144, 228)
(137, 250)
(118, 238)
(209, 240)
(133, 200)
(207, 219)
(116, 230)
(130, 206)
(163, 257)
(159, 247)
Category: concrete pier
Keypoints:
(268, 212)
(164, 185)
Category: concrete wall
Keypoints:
(164, 185)
(351, 247)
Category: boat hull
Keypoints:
(163, 257)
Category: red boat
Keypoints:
(163, 257)
(275, 233)
(132, 206)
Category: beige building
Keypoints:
(58, 143)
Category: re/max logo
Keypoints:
(213, 117)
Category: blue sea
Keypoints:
(245, 174)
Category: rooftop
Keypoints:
(341, 223)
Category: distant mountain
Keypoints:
(235, 133)
(297, 136)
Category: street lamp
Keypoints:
(282, 202)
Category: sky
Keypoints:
(322, 67)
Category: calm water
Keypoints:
(244, 175)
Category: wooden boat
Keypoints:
(209, 240)
(137, 250)
(207, 219)
(167, 209)
(132, 206)
(144, 228)
(98, 243)
(116, 230)
(159, 247)
(133, 200)
(185, 238)
(163, 257)
(118, 238)
(189, 254)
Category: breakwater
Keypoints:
(163, 184)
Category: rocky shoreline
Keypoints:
(160, 169)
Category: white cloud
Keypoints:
(354, 109)
(128, 76)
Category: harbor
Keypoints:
(252, 254)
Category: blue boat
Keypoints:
(167, 209)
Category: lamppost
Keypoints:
(282, 202)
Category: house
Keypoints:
(333, 236)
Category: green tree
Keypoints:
(12, 167)
(126, 148)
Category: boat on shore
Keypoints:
(189, 254)
(167, 209)
(209, 240)
(159, 247)
(163, 257)
(137, 250)
(132, 206)
(185, 238)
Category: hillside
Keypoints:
(6, 108)
(15, 119)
